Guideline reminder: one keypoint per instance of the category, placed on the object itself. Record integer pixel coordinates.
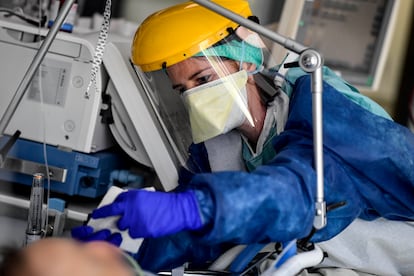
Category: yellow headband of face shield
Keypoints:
(179, 32)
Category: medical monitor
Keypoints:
(353, 36)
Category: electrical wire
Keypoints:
(41, 20)
(43, 127)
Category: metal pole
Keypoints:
(320, 205)
(311, 62)
(278, 38)
(37, 60)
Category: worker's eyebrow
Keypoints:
(177, 86)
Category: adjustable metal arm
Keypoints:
(311, 62)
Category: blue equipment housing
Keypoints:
(82, 174)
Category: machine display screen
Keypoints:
(351, 35)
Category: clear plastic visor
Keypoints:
(213, 92)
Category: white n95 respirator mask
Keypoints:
(217, 107)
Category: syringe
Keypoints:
(34, 220)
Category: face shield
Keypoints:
(214, 88)
(168, 109)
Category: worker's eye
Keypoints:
(203, 79)
(179, 88)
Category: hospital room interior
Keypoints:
(79, 122)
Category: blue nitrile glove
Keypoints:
(86, 233)
(153, 214)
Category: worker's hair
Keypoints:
(12, 261)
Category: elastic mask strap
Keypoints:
(255, 71)
(242, 55)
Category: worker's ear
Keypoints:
(249, 67)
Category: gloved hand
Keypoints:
(86, 233)
(153, 214)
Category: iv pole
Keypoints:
(311, 62)
(24, 84)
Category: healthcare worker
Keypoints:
(250, 174)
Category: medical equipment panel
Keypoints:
(57, 118)
(71, 118)
(353, 36)
(71, 173)
(85, 126)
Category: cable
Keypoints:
(29, 19)
(43, 127)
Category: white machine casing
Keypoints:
(71, 118)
